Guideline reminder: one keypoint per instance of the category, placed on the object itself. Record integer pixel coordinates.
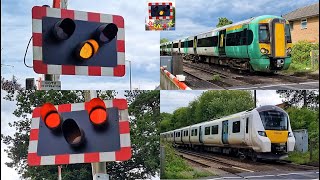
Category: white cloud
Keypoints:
(171, 100)
(268, 97)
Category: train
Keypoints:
(259, 133)
(258, 44)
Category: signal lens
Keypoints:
(73, 134)
(64, 29)
(161, 13)
(106, 33)
(50, 116)
(97, 111)
(87, 49)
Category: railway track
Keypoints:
(232, 163)
(229, 77)
(211, 162)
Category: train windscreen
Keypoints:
(274, 120)
(264, 36)
(288, 33)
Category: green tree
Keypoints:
(216, 104)
(163, 40)
(306, 98)
(211, 105)
(165, 122)
(223, 21)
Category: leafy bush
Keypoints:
(301, 52)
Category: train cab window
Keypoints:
(207, 131)
(236, 127)
(264, 36)
(288, 34)
(274, 120)
(291, 26)
(214, 129)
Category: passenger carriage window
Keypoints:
(175, 45)
(207, 131)
(207, 42)
(187, 132)
(214, 129)
(190, 43)
(264, 36)
(182, 44)
(236, 127)
(233, 39)
(196, 132)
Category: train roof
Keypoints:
(247, 21)
(261, 108)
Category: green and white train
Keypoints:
(261, 43)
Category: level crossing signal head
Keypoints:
(95, 131)
(86, 43)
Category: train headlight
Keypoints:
(262, 133)
(264, 51)
(290, 134)
(289, 50)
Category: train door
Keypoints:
(225, 132)
(181, 133)
(222, 44)
(247, 126)
(200, 135)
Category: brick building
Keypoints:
(304, 23)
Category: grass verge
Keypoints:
(304, 158)
(177, 168)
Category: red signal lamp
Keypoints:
(50, 116)
(97, 112)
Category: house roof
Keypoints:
(307, 11)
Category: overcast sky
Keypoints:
(171, 100)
